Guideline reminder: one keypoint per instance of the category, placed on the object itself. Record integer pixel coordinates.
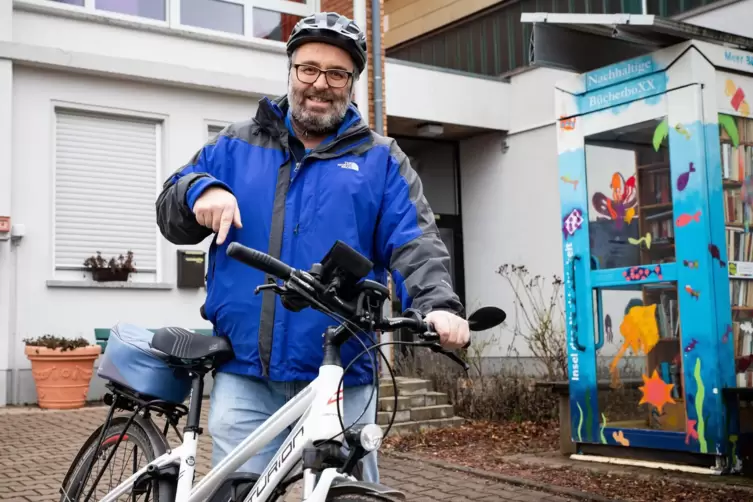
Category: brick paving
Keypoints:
(37, 446)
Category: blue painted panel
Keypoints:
(641, 438)
(705, 413)
(633, 277)
(622, 93)
(578, 301)
(725, 366)
(619, 72)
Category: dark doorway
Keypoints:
(437, 163)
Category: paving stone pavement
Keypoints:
(37, 447)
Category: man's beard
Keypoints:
(312, 122)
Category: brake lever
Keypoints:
(280, 290)
(435, 347)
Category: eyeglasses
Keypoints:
(309, 74)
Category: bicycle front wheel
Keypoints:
(136, 449)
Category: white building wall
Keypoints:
(427, 94)
(733, 18)
(6, 79)
(72, 312)
(510, 200)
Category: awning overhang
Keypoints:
(585, 42)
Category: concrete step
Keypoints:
(405, 387)
(413, 427)
(431, 412)
(388, 403)
(383, 417)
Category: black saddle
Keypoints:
(191, 348)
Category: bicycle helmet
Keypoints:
(330, 28)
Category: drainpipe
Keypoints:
(362, 84)
(376, 51)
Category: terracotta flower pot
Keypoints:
(62, 377)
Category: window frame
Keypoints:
(172, 16)
(208, 124)
(160, 123)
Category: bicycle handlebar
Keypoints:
(306, 289)
(303, 282)
(259, 260)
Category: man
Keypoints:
(305, 172)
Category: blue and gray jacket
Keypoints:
(357, 187)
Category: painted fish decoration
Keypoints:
(690, 263)
(691, 433)
(682, 180)
(646, 239)
(695, 294)
(685, 218)
(691, 345)
(727, 333)
(608, 328)
(573, 182)
(679, 128)
(715, 255)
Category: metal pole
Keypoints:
(362, 84)
(376, 57)
(645, 7)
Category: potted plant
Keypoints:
(62, 369)
(113, 270)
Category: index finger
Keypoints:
(225, 222)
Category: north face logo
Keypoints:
(349, 165)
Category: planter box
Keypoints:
(109, 275)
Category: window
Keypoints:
(213, 130)
(152, 9)
(273, 25)
(213, 15)
(105, 188)
(267, 19)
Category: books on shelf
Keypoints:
(667, 314)
(661, 226)
(737, 162)
(656, 187)
(670, 373)
(742, 333)
(741, 293)
(733, 206)
(739, 245)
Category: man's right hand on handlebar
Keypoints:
(453, 330)
(217, 209)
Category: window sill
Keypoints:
(109, 285)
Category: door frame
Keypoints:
(682, 105)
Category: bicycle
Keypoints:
(337, 287)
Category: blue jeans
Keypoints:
(239, 404)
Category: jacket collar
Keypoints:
(271, 117)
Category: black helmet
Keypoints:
(331, 28)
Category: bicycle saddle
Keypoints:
(179, 343)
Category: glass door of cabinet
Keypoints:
(639, 270)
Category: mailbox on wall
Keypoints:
(191, 268)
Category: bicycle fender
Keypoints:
(152, 432)
(342, 486)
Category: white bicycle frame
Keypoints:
(315, 407)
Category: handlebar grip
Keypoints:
(259, 260)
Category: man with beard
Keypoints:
(302, 174)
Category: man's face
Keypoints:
(319, 107)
